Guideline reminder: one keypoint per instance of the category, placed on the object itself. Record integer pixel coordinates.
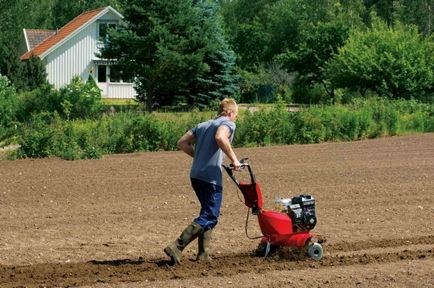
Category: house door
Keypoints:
(103, 79)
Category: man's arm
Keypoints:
(186, 142)
(222, 137)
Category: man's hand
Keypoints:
(237, 165)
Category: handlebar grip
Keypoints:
(242, 165)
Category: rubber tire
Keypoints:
(315, 251)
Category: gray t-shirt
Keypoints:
(208, 157)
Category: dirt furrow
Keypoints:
(127, 270)
(85, 223)
(379, 243)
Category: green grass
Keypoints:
(119, 102)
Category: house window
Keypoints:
(103, 31)
(117, 75)
(102, 73)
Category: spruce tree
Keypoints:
(220, 79)
(34, 73)
(170, 50)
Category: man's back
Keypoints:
(208, 157)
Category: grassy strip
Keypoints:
(119, 102)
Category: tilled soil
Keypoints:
(104, 223)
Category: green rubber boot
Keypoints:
(174, 250)
(204, 245)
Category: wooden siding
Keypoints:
(120, 91)
(73, 50)
(73, 58)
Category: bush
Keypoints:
(309, 127)
(75, 100)
(37, 139)
(265, 127)
(8, 106)
(396, 62)
(42, 99)
(80, 100)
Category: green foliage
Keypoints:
(65, 11)
(299, 36)
(361, 119)
(80, 100)
(8, 107)
(309, 94)
(34, 73)
(176, 52)
(245, 24)
(412, 12)
(309, 127)
(219, 80)
(42, 99)
(14, 16)
(265, 127)
(265, 85)
(11, 13)
(75, 100)
(37, 139)
(8, 102)
(48, 135)
(182, 57)
(315, 47)
(395, 62)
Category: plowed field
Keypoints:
(104, 223)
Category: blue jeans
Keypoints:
(210, 198)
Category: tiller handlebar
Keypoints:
(251, 191)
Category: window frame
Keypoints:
(108, 24)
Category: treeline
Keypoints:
(310, 51)
(321, 51)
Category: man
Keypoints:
(206, 143)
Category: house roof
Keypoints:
(64, 32)
(36, 36)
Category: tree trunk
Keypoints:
(330, 92)
(149, 103)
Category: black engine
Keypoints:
(302, 212)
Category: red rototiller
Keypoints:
(290, 227)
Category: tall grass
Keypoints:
(48, 135)
(359, 120)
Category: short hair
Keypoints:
(227, 105)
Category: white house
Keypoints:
(73, 49)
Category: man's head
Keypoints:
(229, 108)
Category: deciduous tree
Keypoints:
(397, 62)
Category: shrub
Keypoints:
(80, 100)
(75, 100)
(37, 139)
(265, 127)
(42, 99)
(8, 106)
(396, 62)
(308, 126)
